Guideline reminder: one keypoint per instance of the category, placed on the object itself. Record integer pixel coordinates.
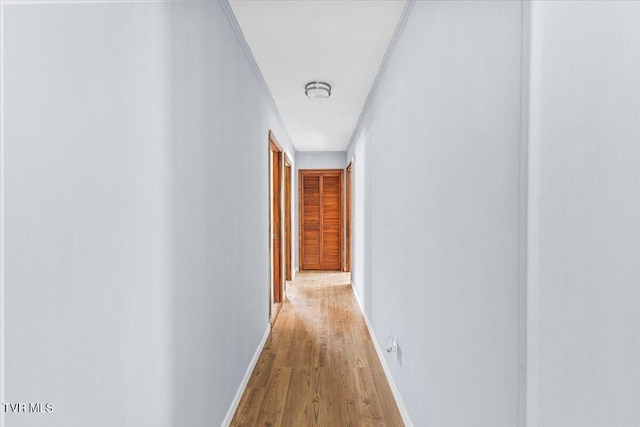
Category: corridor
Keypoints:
(319, 366)
(174, 174)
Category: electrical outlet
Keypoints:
(392, 347)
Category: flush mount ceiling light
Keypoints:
(317, 90)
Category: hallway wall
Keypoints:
(136, 230)
(321, 160)
(437, 212)
(584, 254)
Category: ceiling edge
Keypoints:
(383, 65)
(226, 7)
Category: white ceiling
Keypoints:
(341, 42)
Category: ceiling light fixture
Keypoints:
(317, 90)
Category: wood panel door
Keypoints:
(321, 205)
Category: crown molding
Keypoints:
(383, 66)
(226, 6)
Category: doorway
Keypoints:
(288, 252)
(276, 238)
(349, 214)
(321, 219)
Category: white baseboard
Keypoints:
(385, 366)
(247, 375)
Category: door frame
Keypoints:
(288, 257)
(302, 172)
(276, 284)
(348, 216)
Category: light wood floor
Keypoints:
(319, 366)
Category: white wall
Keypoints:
(321, 160)
(136, 275)
(584, 300)
(361, 215)
(437, 212)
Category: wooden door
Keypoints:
(321, 205)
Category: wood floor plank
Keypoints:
(387, 402)
(298, 404)
(319, 366)
(262, 372)
(367, 402)
(342, 383)
(274, 398)
(246, 415)
(289, 333)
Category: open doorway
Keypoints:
(276, 236)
